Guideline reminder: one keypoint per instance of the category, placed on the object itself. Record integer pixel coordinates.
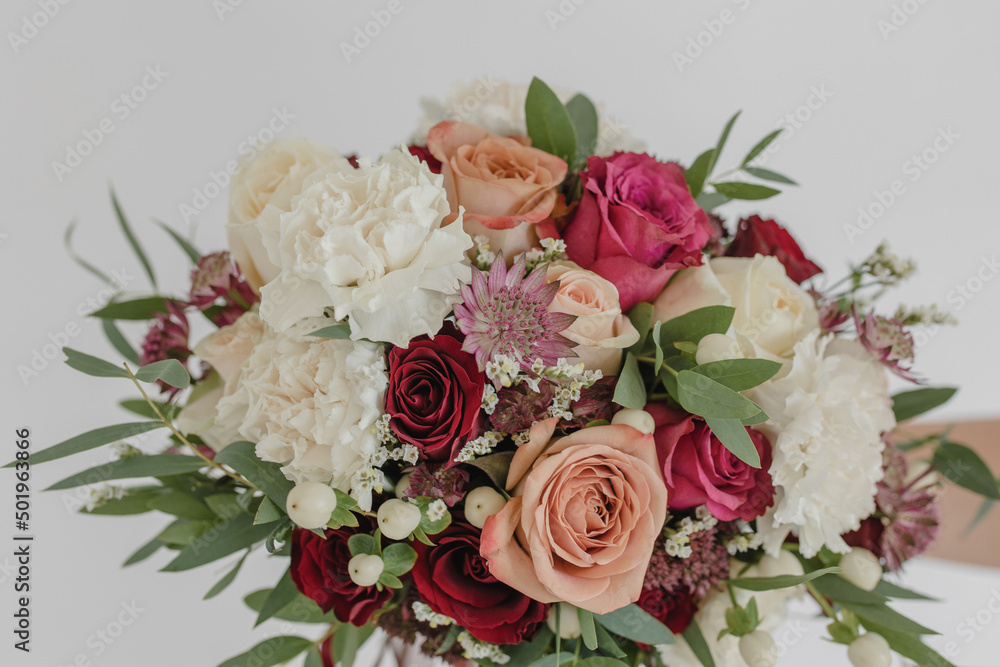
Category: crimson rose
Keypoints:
(319, 570)
(435, 393)
(674, 609)
(636, 223)
(699, 470)
(455, 581)
(754, 235)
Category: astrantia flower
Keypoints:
(167, 339)
(434, 480)
(217, 281)
(520, 406)
(889, 341)
(508, 314)
(696, 574)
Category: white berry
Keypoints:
(861, 568)
(482, 503)
(402, 486)
(640, 420)
(310, 504)
(870, 650)
(758, 649)
(365, 569)
(569, 622)
(785, 563)
(398, 518)
(717, 347)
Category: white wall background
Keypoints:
(888, 93)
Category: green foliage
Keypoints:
(550, 125)
(734, 437)
(230, 577)
(583, 115)
(169, 371)
(739, 374)
(299, 610)
(182, 242)
(782, 581)
(145, 308)
(159, 465)
(632, 622)
(268, 512)
(280, 597)
(630, 391)
(181, 505)
(704, 396)
(745, 191)
(339, 331)
(93, 366)
(270, 652)
(144, 552)
(696, 642)
(117, 340)
(909, 404)
(964, 467)
(695, 325)
(135, 501)
(697, 173)
(346, 642)
(768, 175)
(588, 631)
(242, 457)
(221, 540)
(132, 240)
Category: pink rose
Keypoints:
(699, 470)
(636, 224)
(505, 185)
(585, 512)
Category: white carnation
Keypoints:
(310, 403)
(827, 417)
(368, 242)
(498, 106)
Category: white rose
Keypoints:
(601, 331)
(309, 403)
(261, 190)
(772, 312)
(498, 106)
(827, 417)
(227, 348)
(368, 242)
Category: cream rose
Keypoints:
(260, 192)
(601, 331)
(369, 243)
(309, 403)
(772, 312)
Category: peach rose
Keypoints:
(601, 331)
(505, 185)
(584, 514)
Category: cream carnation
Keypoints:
(827, 417)
(310, 403)
(498, 107)
(368, 242)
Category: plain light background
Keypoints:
(862, 87)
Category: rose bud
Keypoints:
(398, 518)
(310, 504)
(758, 649)
(482, 503)
(869, 650)
(640, 420)
(569, 622)
(402, 485)
(861, 568)
(365, 569)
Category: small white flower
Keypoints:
(477, 650)
(423, 613)
(436, 510)
(490, 399)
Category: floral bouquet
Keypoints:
(515, 395)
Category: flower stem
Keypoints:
(821, 599)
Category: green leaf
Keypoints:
(549, 123)
(782, 581)
(739, 374)
(696, 641)
(712, 200)
(135, 501)
(431, 527)
(658, 359)
(184, 244)
(145, 308)
(313, 658)
(908, 646)
(281, 596)
(601, 661)
(398, 558)
(607, 643)
(695, 325)
(630, 391)
(183, 532)
(342, 515)
(223, 584)
(346, 642)
(144, 552)
(224, 505)
(270, 652)
(886, 617)
(117, 340)
(583, 114)
(705, 397)
(80, 261)
(299, 610)
(132, 240)
(641, 317)
(340, 331)
(159, 465)
(181, 505)
(631, 622)
(759, 148)
(170, 371)
(587, 630)
(717, 152)
(841, 590)
(361, 543)
(92, 365)
(669, 379)
(553, 659)
(697, 173)
(909, 404)
(768, 175)
(90, 440)
(964, 467)
(891, 590)
(242, 457)
(981, 514)
(143, 409)
(268, 512)
(745, 191)
(223, 539)
(733, 435)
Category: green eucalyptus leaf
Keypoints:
(630, 391)
(697, 173)
(229, 578)
(118, 341)
(550, 125)
(169, 371)
(587, 630)
(632, 622)
(745, 191)
(717, 152)
(712, 200)
(132, 240)
(909, 404)
(93, 366)
(159, 465)
(398, 558)
(341, 331)
(144, 552)
(759, 148)
(739, 374)
(733, 435)
(346, 642)
(270, 652)
(705, 397)
(182, 242)
(963, 466)
(768, 175)
(283, 594)
(223, 539)
(695, 325)
(145, 308)
(781, 581)
(696, 642)
(242, 457)
(181, 505)
(583, 113)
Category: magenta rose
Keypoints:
(636, 224)
(435, 393)
(699, 470)
(755, 235)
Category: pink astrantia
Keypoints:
(217, 281)
(707, 565)
(508, 313)
(889, 341)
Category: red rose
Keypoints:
(636, 223)
(674, 609)
(435, 393)
(754, 235)
(425, 155)
(455, 581)
(319, 570)
(699, 470)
